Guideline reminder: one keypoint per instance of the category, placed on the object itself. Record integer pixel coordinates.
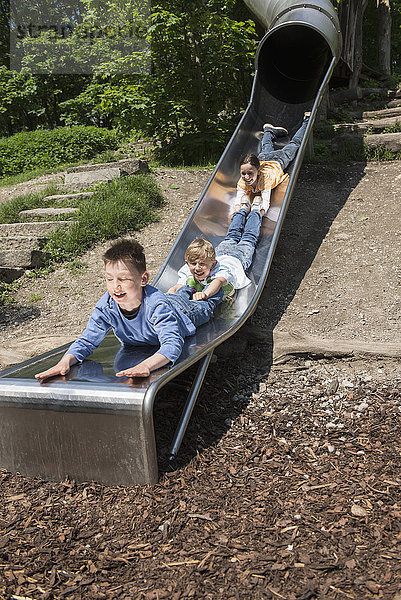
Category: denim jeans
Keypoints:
(286, 154)
(198, 311)
(242, 236)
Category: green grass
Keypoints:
(9, 210)
(35, 298)
(160, 164)
(6, 291)
(115, 209)
(381, 153)
(27, 175)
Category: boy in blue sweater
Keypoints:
(138, 314)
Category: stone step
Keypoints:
(382, 114)
(8, 275)
(22, 259)
(357, 94)
(128, 166)
(394, 103)
(390, 141)
(376, 125)
(36, 228)
(88, 178)
(46, 213)
(21, 242)
(64, 197)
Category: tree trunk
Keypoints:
(360, 6)
(199, 77)
(384, 37)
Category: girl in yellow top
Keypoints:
(260, 174)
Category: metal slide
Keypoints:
(95, 426)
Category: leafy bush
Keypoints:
(193, 149)
(32, 149)
(6, 291)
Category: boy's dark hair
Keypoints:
(251, 159)
(128, 251)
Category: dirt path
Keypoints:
(33, 185)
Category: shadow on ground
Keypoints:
(16, 314)
(320, 194)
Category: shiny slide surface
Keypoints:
(93, 426)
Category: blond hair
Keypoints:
(200, 248)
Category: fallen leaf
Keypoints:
(351, 563)
(359, 511)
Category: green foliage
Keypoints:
(321, 152)
(29, 101)
(323, 129)
(6, 291)
(87, 108)
(18, 100)
(201, 79)
(381, 153)
(115, 209)
(108, 36)
(29, 150)
(35, 298)
(4, 31)
(193, 149)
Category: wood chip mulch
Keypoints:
(284, 491)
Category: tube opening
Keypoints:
(292, 63)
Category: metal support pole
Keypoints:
(189, 406)
(310, 149)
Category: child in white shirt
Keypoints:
(207, 270)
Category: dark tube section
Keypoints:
(292, 62)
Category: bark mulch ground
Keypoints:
(287, 488)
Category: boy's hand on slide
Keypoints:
(58, 369)
(137, 371)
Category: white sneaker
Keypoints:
(257, 203)
(245, 202)
(307, 115)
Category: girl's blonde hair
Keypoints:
(200, 248)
